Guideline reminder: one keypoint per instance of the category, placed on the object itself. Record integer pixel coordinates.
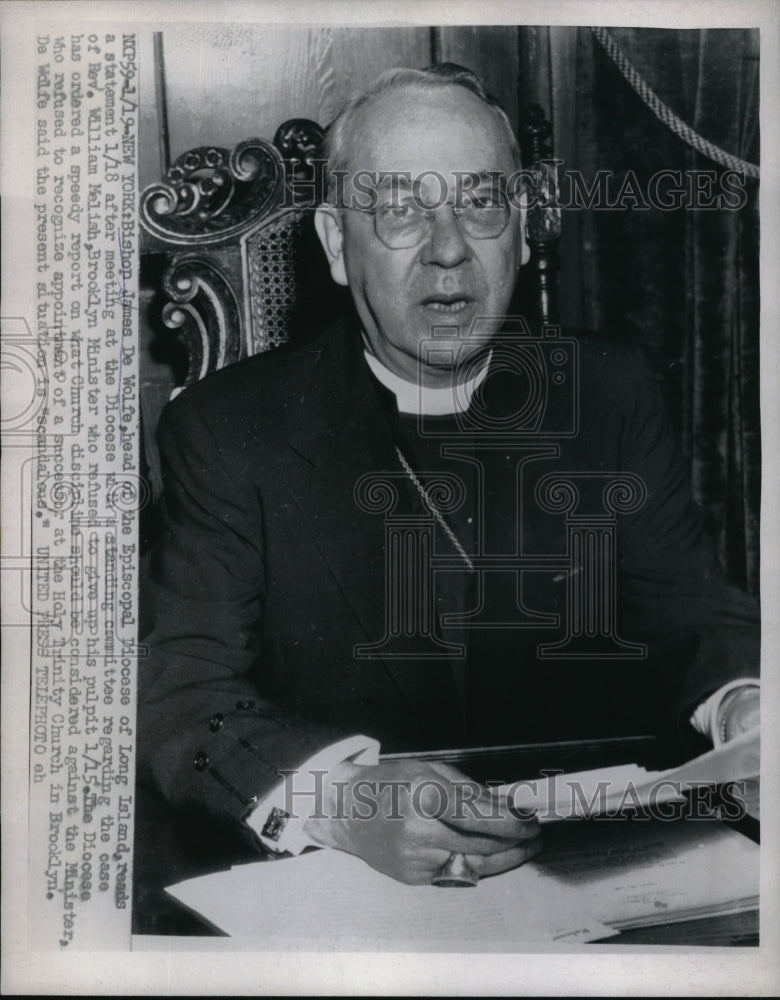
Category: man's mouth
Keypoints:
(447, 303)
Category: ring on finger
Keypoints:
(455, 873)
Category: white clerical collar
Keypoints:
(422, 400)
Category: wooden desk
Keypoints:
(169, 850)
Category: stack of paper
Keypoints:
(601, 875)
(644, 872)
(610, 790)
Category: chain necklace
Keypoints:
(431, 506)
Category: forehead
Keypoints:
(446, 129)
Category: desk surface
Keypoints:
(171, 849)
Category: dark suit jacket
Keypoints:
(267, 574)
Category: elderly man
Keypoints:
(275, 653)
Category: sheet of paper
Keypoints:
(610, 789)
(327, 899)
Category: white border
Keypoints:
(611, 971)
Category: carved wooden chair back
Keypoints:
(242, 271)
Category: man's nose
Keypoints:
(446, 245)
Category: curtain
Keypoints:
(682, 282)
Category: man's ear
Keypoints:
(331, 235)
(525, 252)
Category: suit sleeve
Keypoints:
(672, 589)
(206, 739)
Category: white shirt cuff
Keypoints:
(278, 819)
(705, 719)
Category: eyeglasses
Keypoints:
(406, 223)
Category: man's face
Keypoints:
(449, 279)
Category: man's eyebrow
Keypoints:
(391, 178)
(402, 176)
(485, 175)
(386, 178)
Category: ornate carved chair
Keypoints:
(231, 263)
(235, 267)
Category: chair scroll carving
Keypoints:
(234, 228)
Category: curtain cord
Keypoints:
(665, 113)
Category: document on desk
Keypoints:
(593, 876)
(612, 790)
(640, 871)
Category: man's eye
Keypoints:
(483, 201)
(397, 213)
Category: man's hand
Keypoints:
(740, 712)
(405, 818)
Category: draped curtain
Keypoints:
(683, 282)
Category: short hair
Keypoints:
(434, 77)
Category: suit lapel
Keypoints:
(343, 434)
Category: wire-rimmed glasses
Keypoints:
(406, 222)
